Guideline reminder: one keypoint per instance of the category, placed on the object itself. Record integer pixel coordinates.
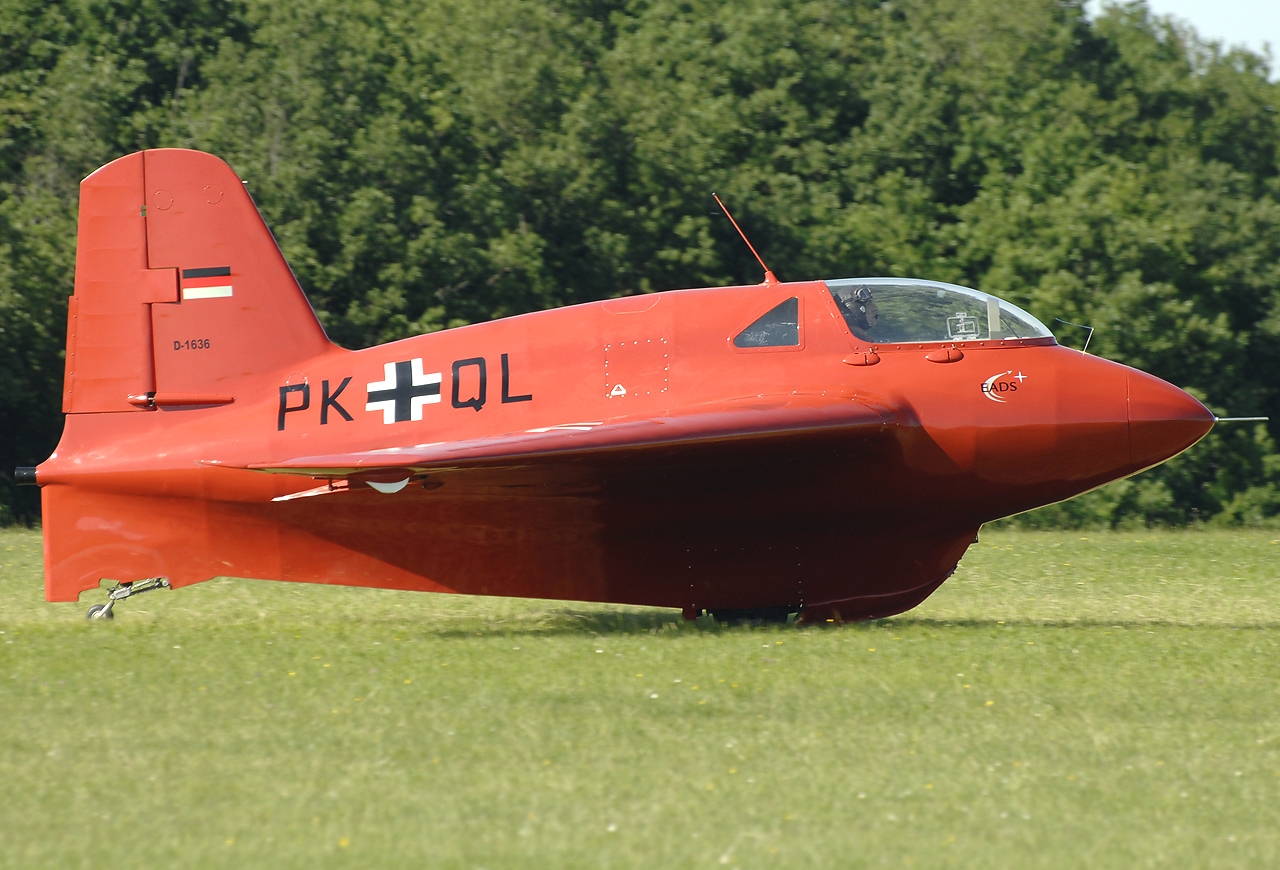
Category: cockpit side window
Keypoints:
(887, 311)
(777, 327)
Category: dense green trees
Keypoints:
(438, 162)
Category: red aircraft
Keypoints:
(823, 447)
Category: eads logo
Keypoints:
(1000, 386)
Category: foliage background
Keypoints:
(438, 162)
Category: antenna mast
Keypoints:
(769, 277)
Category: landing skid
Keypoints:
(120, 592)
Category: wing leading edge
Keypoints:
(743, 420)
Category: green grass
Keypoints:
(1066, 700)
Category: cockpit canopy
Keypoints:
(891, 310)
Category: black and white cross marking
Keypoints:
(403, 391)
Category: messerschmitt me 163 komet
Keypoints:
(822, 447)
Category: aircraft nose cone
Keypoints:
(1163, 420)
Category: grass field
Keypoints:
(1066, 700)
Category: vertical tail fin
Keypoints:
(181, 292)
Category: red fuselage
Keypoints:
(800, 508)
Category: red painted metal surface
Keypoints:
(625, 451)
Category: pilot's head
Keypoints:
(862, 308)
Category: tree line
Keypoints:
(432, 163)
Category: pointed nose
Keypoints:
(1163, 420)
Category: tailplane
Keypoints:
(181, 293)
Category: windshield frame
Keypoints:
(1047, 339)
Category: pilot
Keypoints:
(860, 312)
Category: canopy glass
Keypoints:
(891, 310)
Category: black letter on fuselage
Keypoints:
(478, 401)
(327, 400)
(506, 385)
(284, 401)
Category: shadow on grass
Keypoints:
(587, 623)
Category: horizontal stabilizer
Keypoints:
(742, 420)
